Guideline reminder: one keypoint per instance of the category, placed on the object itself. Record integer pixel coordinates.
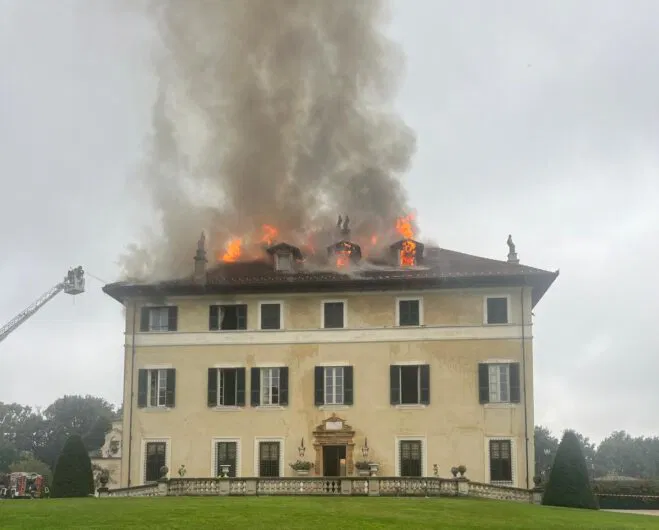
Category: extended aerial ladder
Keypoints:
(73, 283)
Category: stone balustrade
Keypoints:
(342, 486)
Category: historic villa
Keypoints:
(423, 358)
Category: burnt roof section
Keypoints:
(442, 268)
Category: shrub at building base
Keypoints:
(569, 485)
(73, 473)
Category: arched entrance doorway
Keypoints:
(334, 445)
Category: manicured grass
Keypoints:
(303, 512)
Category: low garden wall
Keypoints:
(344, 486)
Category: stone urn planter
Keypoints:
(224, 470)
(302, 468)
(363, 469)
(373, 468)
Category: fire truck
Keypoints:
(24, 486)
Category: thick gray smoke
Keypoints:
(276, 112)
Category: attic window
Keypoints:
(284, 262)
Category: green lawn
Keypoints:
(303, 512)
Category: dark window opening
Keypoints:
(409, 385)
(228, 317)
(270, 316)
(408, 313)
(333, 315)
(227, 387)
(410, 458)
(155, 459)
(497, 310)
(226, 454)
(269, 459)
(501, 465)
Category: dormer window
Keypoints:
(285, 257)
(407, 253)
(344, 253)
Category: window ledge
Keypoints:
(270, 407)
(497, 324)
(226, 408)
(153, 331)
(410, 406)
(157, 409)
(501, 405)
(333, 407)
(508, 483)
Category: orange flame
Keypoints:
(269, 234)
(408, 253)
(408, 247)
(233, 251)
(404, 226)
(342, 258)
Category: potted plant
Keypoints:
(182, 471)
(462, 469)
(301, 467)
(454, 471)
(363, 468)
(104, 478)
(163, 473)
(537, 480)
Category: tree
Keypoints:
(29, 464)
(8, 455)
(73, 473)
(569, 485)
(545, 449)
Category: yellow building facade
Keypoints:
(247, 368)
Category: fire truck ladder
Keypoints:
(73, 283)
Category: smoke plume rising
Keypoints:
(276, 112)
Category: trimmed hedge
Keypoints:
(73, 473)
(621, 502)
(627, 487)
(569, 485)
(627, 494)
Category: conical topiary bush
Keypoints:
(73, 472)
(569, 485)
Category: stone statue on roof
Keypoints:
(511, 245)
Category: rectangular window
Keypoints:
(410, 384)
(334, 385)
(501, 463)
(159, 318)
(230, 317)
(226, 453)
(226, 387)
(409, 313)
(499, 378)
(270, 316)
(155, 459)
(269, 459)
(333, 315)
(499, 382)
(410, 458)
(497, 310)
(156, 387)
(270, 388)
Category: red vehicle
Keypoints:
(24, 486)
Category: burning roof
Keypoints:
(284, 267)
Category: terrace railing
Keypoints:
(322, 486)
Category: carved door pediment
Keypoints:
(334, 431)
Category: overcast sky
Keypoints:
(539, 119)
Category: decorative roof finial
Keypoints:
(345, 230)
(512, 254)
(200, 260)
